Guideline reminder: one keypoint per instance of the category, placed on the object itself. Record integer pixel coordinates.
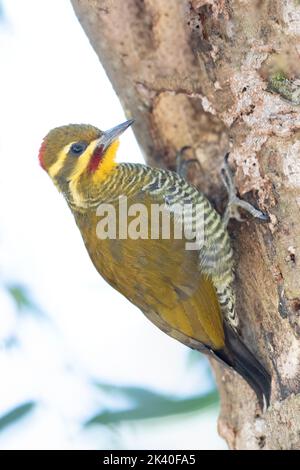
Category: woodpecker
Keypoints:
(187, 293)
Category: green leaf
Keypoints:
(17, 413)
(159, 408)
(136, 395)
(22, 298)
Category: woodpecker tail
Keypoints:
(241, 359)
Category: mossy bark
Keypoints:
(223, 76)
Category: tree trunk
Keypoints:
(222, 76)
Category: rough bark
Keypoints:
(218, 76)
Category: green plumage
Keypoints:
(189, 294)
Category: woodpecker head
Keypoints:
(80, 153)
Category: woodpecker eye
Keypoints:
(78, 148)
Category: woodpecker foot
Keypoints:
(234, 202)
(182, 164)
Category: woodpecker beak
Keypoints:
(112, 134)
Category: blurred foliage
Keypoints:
(22, 298)
(148, 404)
(141, 403)
(14, 415)
(23, 302)
(1, 12)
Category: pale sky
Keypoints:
(51, 76)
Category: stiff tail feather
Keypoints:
(242, 360)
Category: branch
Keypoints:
(205, 74)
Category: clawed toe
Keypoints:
(234, 202)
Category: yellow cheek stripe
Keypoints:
(83, 161)
(107, 164)
(57, 166)
(80, 168)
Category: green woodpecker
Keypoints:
(187, 293)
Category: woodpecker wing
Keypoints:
(162, 278)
